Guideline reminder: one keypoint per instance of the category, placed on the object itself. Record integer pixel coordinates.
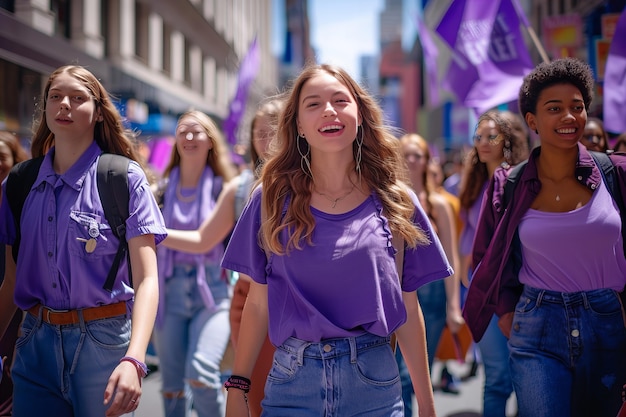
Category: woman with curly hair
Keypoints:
(556, 297)
(319, 240)
(496, 144)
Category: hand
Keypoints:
(236, 403)
(505, 323)
(454, 320)
(124, 388)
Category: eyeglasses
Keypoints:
(191, 135)
(595, 139)
(492, 139)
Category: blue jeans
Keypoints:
(336, 377)
(498, 386)
(191, 343)
(568, 353)
(62, 371)
(432, 299)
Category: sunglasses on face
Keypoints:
(493, 140)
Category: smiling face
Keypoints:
(560, 116)
(192, 141)
(71, 111)
(489, 143)
(328, 115)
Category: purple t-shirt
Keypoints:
(54, 267)
(580, 250)
(346, 283)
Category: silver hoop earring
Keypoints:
(305, 164)
(359, 152)
(507, 151)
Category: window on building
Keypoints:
(62, 12)
(167, 49)
(141, 31)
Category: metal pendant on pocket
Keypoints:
(94, 232)
(90, 245)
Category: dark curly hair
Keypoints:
(561, 71)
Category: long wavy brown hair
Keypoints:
(382, 170)
(110, 134)
(218, 157)
(475, 172)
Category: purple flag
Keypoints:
(247, 73)
(488, 58)
(431, 59)
(615, 80)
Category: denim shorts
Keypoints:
(568, 353)
(335, 377)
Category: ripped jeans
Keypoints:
(191, 343)
(568, 353)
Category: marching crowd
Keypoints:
(332, 263)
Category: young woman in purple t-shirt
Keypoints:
(317, 242)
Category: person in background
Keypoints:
(595, 137)
(192, 330)
(317, 243)
(440, 300)
(219, 224)
(11, 153)
(558, 301)
(79, 353)
(495, 145)
(620, 143)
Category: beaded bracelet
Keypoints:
(141, 367)
(238, 382)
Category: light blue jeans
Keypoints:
(62, 371)
(568, 353)
(191, 343)
(498, 386)
(334, 378)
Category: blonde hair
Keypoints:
(109, 134)
(382, 169)
(218, 157)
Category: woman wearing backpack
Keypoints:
(79, 353)
(192, 329)
(550, 263)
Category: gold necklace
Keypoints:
(334, 201)
(182, 198)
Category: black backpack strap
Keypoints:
(114, 195)
(19, 183)
(609, 177)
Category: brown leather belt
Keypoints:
(62, 317)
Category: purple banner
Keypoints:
(615, 80)
(488, 57)
(247, 73)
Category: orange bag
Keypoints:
(454, 346)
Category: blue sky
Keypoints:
(343, 30)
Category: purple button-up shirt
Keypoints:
(495, 287)
(55, 266)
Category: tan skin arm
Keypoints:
(213, 229)
(124, 383)
(446, 230)
(252, 333)
(412, 340)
